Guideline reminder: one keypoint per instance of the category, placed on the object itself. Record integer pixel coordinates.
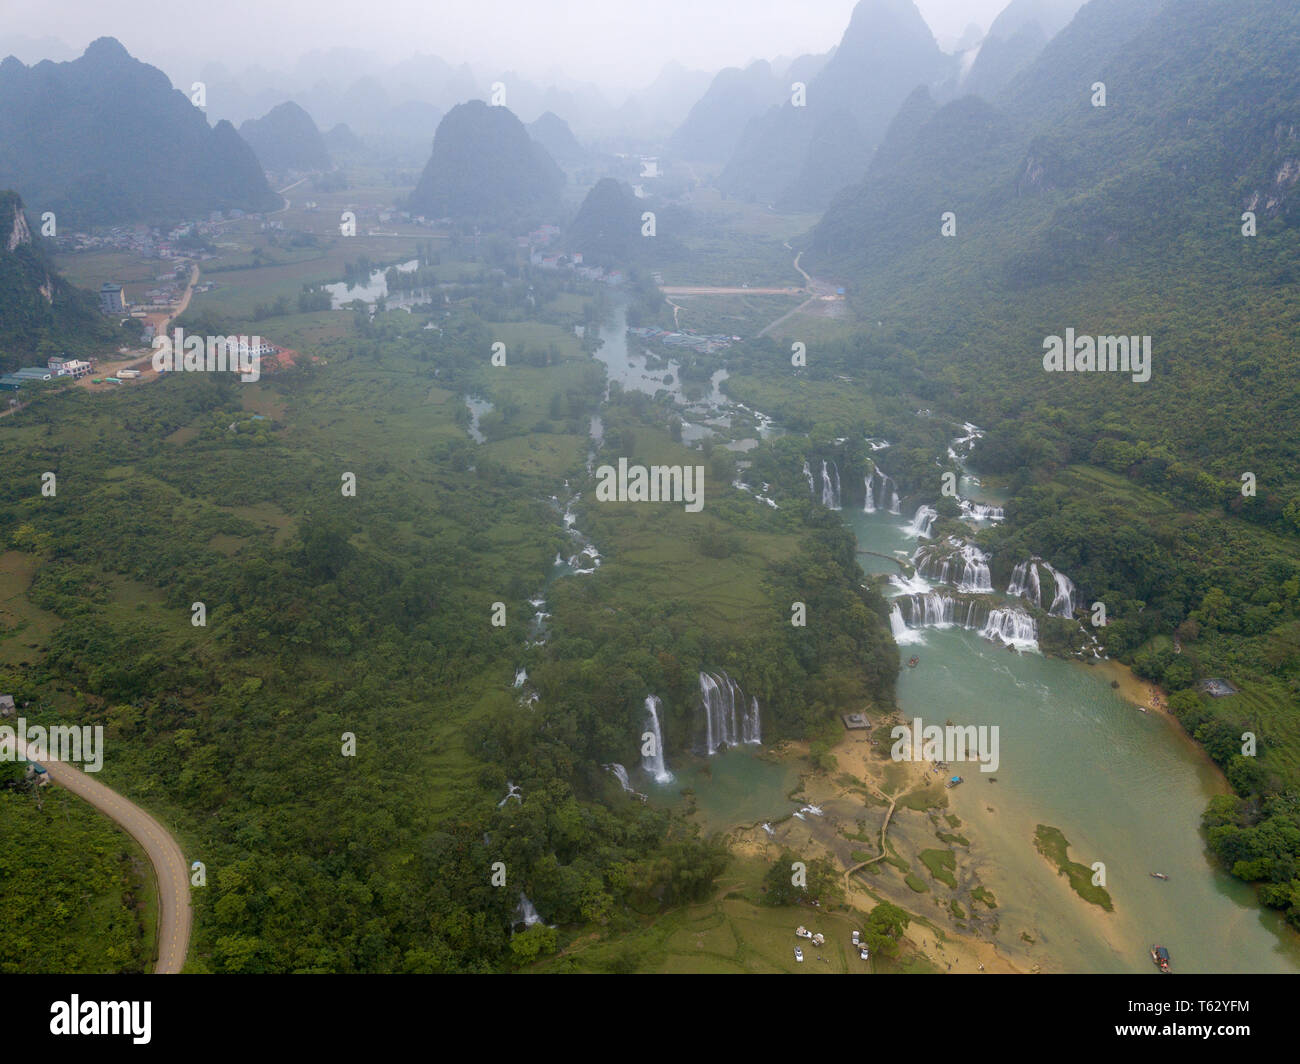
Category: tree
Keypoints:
(528, 945)
(885, 927)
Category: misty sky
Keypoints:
(619, 44)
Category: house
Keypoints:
(111, 299)
(68, 367)
(34, 373)
(854, 721)
(10, 383)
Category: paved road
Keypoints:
(706, 290)
(175, 913)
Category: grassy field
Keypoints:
(798, 398)
(731, 933)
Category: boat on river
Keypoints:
(1160, 957)
(1158, 875)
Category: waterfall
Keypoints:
(620, 773)
(727, 722)
(657, 766)
(830, 486)
(1024, 583)
(1009, 625)
(887, 496)
(923, 522)
(525, 913)
(940, 564)
(808, 473)
(902, 634)
(512, 791)
(521, 677)
(1013, 627)
(978, 511)
(1063, 604)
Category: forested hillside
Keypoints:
(41, 314)
(105, 139)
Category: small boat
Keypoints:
(865, 955)
(913, 662)
(819, 939)
(1158, 875)
(954, 781)
(798, 954)
(803, 932)
(1160, 957)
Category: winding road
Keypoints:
(175, 912)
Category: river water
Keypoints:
(1124, 786)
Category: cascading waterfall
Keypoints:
(1011, 626)
(1063, 604)
(886, 495)
(978, 511)
(521, 677)
(902, 634)
(657, 766)
(967, 563)
(1014, 627)
(525, 912)
(812, 490)
(727, 722)
(830, 485)
(620, 774)
(1027, 583)
(923, 522)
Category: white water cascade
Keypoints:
(1024, 583)
(1014, 627)
(526, 912)
(656, 765)
(812, 490)
(1011, 626)
(978, 511)
(903, 635)
(887, 495)
(620, 774)
(727, 721)
(830, 485)
(1063, 603)
(1027, 583)
(923, 522)
(964, 566)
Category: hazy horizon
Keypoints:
(619, 47)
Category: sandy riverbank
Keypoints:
(861, 768)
